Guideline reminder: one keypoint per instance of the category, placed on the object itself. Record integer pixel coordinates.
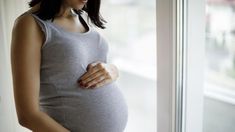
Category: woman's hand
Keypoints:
(98, 74)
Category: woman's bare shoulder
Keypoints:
(25, 30)
(25, 19)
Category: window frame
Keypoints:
(180, 65)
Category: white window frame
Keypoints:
(180, 62)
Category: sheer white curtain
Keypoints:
(9, 10)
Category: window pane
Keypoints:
(219, 92)
(131, 33)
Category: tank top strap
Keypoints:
(43, 26)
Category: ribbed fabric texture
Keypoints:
(65, 56)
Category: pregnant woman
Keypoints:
(62, 81)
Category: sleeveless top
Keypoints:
(64, 58)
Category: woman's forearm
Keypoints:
(41, 122)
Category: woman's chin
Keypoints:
(79, 7)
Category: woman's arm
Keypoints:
(27, 39)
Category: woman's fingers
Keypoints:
(99, 77)
(95, 81)
(101, 83)
(98, 74)
(89, 73)
(93, 70)
(94, 76)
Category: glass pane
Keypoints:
(131, 33)
(219, 92)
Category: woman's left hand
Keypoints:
(98, 74)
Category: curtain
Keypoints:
(9, 10)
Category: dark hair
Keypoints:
(49, 8)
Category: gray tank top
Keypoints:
(64, 58)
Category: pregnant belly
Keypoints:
(102, 109)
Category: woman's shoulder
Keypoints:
(25, 19)
(25, 27)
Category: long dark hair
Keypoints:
(49, 8)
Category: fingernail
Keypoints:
(85, 85)
(80, 83)
(92, 86)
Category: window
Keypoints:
(219, 86)
(208, 88)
